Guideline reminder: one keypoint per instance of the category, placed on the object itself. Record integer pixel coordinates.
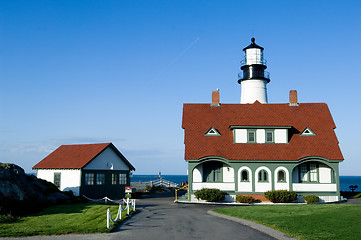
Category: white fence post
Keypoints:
(108, 218)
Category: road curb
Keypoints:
(262, 228)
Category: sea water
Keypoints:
(345, 181)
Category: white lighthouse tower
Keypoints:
(253, 78)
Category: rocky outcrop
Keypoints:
(16, 185)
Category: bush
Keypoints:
(154, 188)
(281, 196)
(20, 208)
(310, 199)
(245, 199)
(210, 194)
(8, 218)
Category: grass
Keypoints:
(314, 221)
(62, 219)
(357, 195)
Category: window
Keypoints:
(100, 179)
(307, 132)
(262, 176)
(57, 179)
(281, 176)
(123, 178)
(308, 172)
(269, 136)
(114, 179)
(244, 176)
(303, 173)
(251, 136)
(89, 179)
(313, 172)
(212, 171)
(212, 132)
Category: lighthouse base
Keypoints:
(253, 90)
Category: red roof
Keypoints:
(199, 118)
(75, 156)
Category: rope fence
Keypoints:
(128, 203)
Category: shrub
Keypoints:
(245, 199)
(310, 199)
(154, 188)
(281, 196)
(19, 208)
(210, 194)
(8, 218)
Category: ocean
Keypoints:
(345, 181)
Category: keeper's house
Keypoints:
(253, 147)
(92, 170)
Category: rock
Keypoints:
(16, 185)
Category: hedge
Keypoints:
(210, 194)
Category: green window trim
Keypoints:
(262, 176)
(212, 132)
(251, 136)
(269, 136)
(307, 132)
(309, 173)
(213, 172)
(244, 175)
(57, 179)
(281, 176)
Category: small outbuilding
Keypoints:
(91, 170)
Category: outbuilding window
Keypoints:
(123, 178)
(114, 179)
(89, 178)
(57, 179)
(100, 179)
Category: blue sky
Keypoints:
(119, 71)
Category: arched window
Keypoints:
(281, 177)
(212, 171)
(308, 172)
(244, 176)
(262, 176)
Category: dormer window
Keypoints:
(212, 132)
(269, 136)
(251, 134)
(307, 132)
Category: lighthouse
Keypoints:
(253, 78)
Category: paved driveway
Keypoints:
(160, 218)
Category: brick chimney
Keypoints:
(293, 98)
(215, 98)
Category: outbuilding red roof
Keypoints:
(199, 118)
(75, 156)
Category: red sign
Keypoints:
(128, 189)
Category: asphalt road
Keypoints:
(160, 218)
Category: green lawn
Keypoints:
(62, 219)
(314, 221)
